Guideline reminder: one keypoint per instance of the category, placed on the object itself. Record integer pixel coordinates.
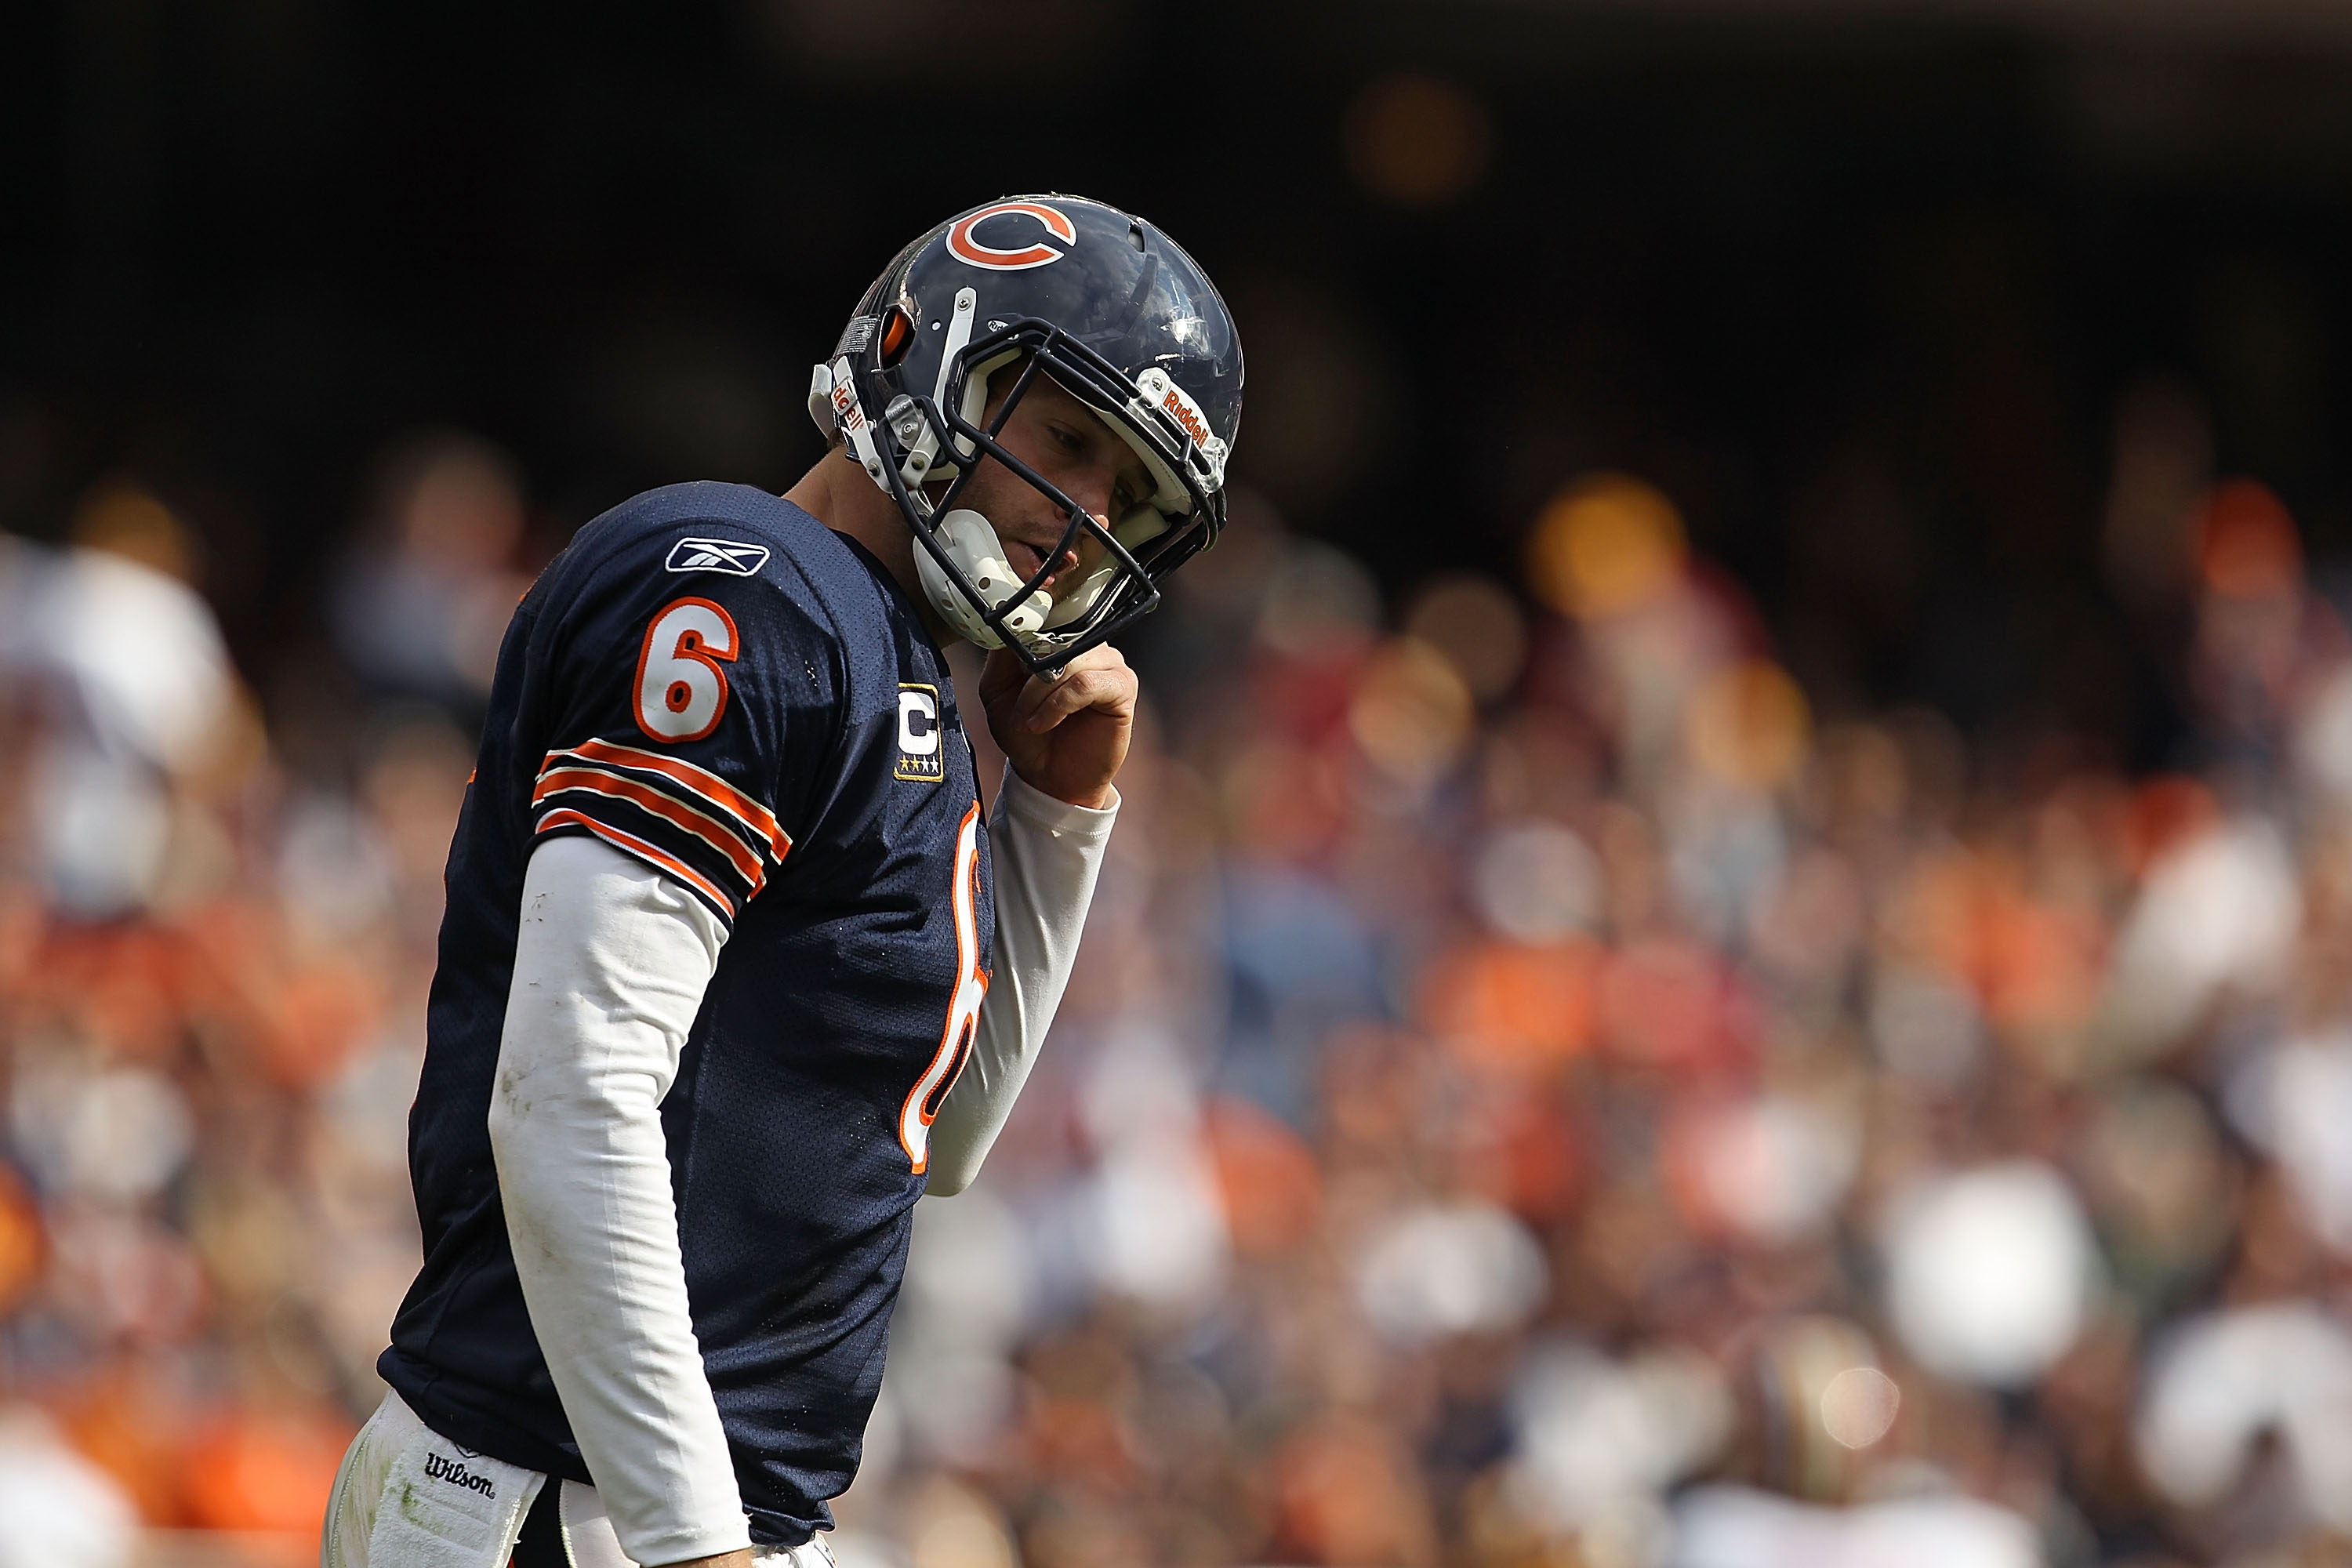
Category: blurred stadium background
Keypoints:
(1732, 943)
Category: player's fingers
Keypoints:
(1033, 692)
(1085, 673)
(1002, 676)
(1061, 699)
(1109, 690)
(1032, 696)
(1103, 661)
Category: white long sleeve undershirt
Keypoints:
(1044, 856)
(611, 961)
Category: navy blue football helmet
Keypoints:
(1121, 319)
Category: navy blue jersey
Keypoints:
(714, 682)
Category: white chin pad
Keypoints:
(1138, 526)
(973, 546)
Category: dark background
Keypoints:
(1862, 294)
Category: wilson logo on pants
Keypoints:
(457, 1475)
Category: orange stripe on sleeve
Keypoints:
(652, 855)
(701, 781)
(597, 780)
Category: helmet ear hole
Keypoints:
(898, 335)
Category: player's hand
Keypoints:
(1066, 737)
(738, 1559)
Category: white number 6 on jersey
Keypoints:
(681, 690)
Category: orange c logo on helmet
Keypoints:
(965, 249)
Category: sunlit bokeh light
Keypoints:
(1749, 725)
(2293, 1100)
(1451, 1269)
(126, 520)
(1598, 1435)
(2227, 1385)
(1536, 882)
(2215, 912)
(1989, 1272)
(61, 1510)
(1771, 1168)
(1606, 544)
(1859, 1406)
(1797, 1361)
(1475, 622)
(1726, 1526)
(1413, 713)
(2246, 543)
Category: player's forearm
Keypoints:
(1046, 854)
(611, 962)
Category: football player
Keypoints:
(733, 967)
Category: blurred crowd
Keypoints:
(1535, 1090)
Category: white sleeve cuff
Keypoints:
(1016, 796)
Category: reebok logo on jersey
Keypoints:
(920, 756)
(457, 1475)
(726, 556)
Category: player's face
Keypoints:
(1060, 438)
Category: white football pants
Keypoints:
(406, 1497)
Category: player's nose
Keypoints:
(1093, 491)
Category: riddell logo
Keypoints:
(1185, 414)
(844, 406)
(457, 1475)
